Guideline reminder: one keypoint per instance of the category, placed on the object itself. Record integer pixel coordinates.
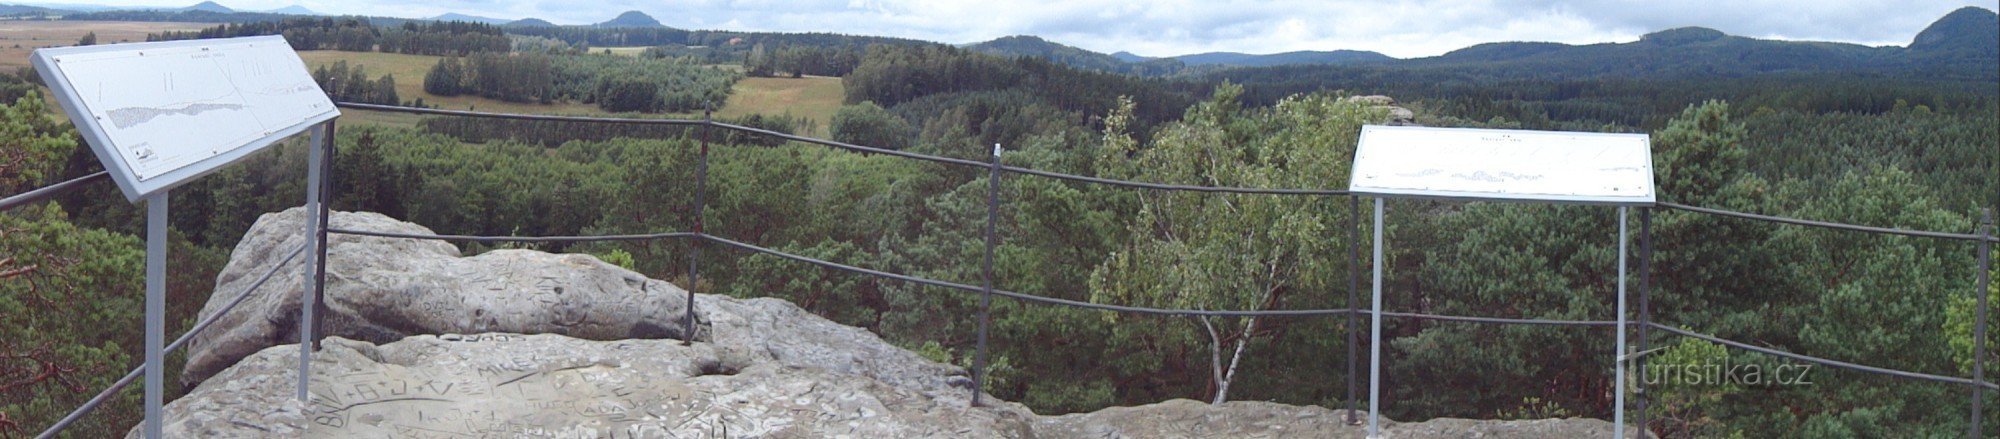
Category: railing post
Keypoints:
(694, 249)
(1375, 337)
(986, 279)
(1618, 359)
(313, 271)
(1645, 312)
(326, 190)
(156, 310)
(1353, 313)
(1979, 325)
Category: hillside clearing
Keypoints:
(813, 97)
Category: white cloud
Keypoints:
(1406, 28)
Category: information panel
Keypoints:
(158, 114)
(1594, 168)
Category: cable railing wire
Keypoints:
(1824, 361)
(964, 287)
(1822, 224)
(46, 192)
(203, 325)
(1187, 312)
(525, 239)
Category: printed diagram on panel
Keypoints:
(166, 108)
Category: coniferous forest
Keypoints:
(1905, 139)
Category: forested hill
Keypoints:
(1961, 45)
(1127, 63)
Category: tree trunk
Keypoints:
(1215, 360)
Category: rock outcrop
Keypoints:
(758, 368)
(552, 386)
(383, 289)
(1398, 116)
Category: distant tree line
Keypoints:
(892, 75)
(185, 16)
(797, 61)
(552, 134)
(356, 34)
(614, 83)
(513, 78)
(352, 84)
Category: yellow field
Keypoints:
(626, 51)
(18, 38)
(812, 97)
(410, 70)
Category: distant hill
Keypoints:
(1032, 46)
(1964, 45)
(1129, 63)
(293, 10)
(29, 11)
(210, 7)
(1131, 57)
(1696, 51)
(632, 19)
(1968, 28)
(1300, 57)
(530, 22)
(68, 7)
(1502, 51)
(470, 18)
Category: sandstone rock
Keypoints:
(1398, 116)
(1374, 100)
(552, 386)
(381, 290)
(758, 368)
(777, 331)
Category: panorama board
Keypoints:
(162, 113)
(1546, 166)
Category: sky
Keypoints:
(1403, 29)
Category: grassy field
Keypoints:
(812, 97)
(18, 38)
(626, 51)
(410, 70)
(815, 98)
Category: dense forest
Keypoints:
(1909, 150)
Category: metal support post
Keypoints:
(1375, 338)
(156, 309)
(1353, 313)
(694, 248)
(327, 177)
(986, 279)
(1645, 311)
(1979, 327)
(309, 276)
(1618, 358)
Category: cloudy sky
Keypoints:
(1408, 28)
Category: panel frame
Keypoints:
(92, 130)
(1649, 198)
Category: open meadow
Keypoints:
(18, 38)
(815, 98)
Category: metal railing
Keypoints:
(1983, 237)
